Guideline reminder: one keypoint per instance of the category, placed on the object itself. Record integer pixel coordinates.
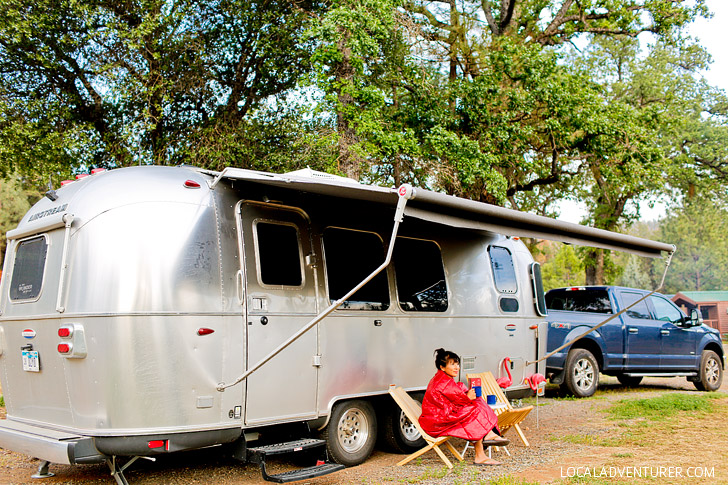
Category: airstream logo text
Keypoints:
(48, 212)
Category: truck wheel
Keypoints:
(398, 433)
(629, 381)
(582, 373)
(711, 372)
(351, 432)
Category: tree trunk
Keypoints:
(594, 267)
(348, 162)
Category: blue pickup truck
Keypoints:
(652, 338)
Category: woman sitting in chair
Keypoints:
(450, 409)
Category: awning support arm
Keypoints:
(405, 192)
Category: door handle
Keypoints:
(664, 332)
(634, 330)
(239, 285)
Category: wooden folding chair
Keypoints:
(412, 410)
(508, 416)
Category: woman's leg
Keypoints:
(480, 456)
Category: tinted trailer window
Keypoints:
(28, 269)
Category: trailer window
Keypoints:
(28, 269)
(420, 276)
(504, 273)
(351, 256)
(279, 254)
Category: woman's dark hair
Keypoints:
(442, 357)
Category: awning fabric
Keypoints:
(454, 211)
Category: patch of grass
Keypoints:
(623, 455)
(428, 474)
(590, 440)
(509, 480)
(2, 401)
(660, 407)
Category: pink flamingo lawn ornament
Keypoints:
(505, 382)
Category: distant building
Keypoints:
(713, 305)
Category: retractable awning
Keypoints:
(453, 211)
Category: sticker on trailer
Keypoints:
(29, 333)
(31, 362)
(511, 327)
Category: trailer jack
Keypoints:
(43, 471)
(118, 471)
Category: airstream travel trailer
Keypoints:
(148, 310)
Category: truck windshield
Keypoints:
(591, 300)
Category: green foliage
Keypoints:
(698, 229)
(564, 268)
(661, 407)
(15, 201)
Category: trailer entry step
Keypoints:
(322, 466)
(288, 447)
(304, 473)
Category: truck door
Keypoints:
(280, 298)
(679, 344)
(642, 333)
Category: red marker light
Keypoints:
(66, 182)
(64, 348)
(97, 170)
(81, 176)
(191, 184)
(204, 331)
(64, 332)
(155, 444)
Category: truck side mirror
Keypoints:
(696, 318)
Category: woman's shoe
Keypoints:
(497, 442)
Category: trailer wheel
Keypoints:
(582, 373)
(351, 433)
(629, 381)
(398, 433)
(711, 372)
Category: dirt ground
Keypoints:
(571, 441)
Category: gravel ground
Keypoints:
(553, 418)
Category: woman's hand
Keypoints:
(471, 394)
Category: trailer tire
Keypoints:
(710, 376)
(582, 373)
(398, 434)
(351, 433)
(629, 381)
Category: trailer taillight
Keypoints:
(81, 176)
(65, 332)
(204, 331)
(158, 444)
(64, 348)
(191, 184)
(97, 170)
(66, 182)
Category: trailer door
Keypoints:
(280, 298)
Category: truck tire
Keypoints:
(629, 381)
(581, 376)
(397, 432)
(351, 433)
(710, 376)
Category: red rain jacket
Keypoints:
(448, 411)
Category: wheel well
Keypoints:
(715, 348)
(592, 347)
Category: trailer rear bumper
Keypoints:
(47, 444)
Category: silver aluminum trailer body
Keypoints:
(128, 300)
